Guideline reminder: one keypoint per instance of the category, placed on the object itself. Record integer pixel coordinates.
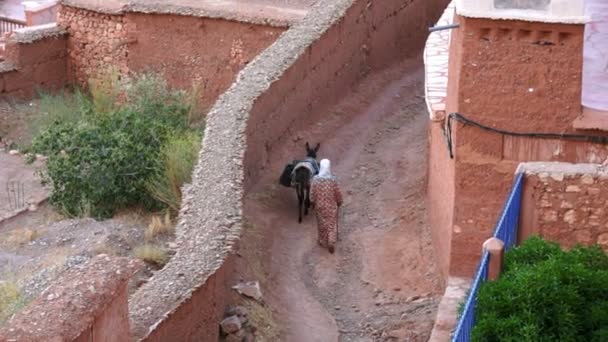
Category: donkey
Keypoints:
(303, 173)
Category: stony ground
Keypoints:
(14, 118)
(382, 284)
(36, 246)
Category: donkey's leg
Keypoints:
(306, 199)
(300, 192)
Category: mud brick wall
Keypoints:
(191, 51)
(188, 51)
(530, 74)
(35, 58)
(97, 44)
(566, 203)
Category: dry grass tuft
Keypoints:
(262, 318)
(152, 254)
(180, 154)
(103, 248)
(22, 236)
(11, 300)
(134, 216)
(159, 226)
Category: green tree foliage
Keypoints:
(546, 294)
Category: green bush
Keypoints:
(102, 153)
(546, 294)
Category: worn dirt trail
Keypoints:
(382, 283)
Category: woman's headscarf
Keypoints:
(325, 171)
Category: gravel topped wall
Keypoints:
(290, 83)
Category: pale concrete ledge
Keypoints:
(566, 169)
(436, 60)
(447, 313)
(557, 11)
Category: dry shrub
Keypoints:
(159, 226)
(152, 254)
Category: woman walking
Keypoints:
(327, 198)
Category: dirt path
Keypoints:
(382, 284)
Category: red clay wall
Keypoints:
(189, 50)
(440, 196)
(197, 318)
(370, 35)
(34, 59)
(113, 323)
(566, 203)
(186, 50)
(515, 76)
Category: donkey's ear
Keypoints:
(317, 147)
(307, 146)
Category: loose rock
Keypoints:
(250, 289)
(231, 325)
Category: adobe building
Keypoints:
(513, 70)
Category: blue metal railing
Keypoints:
(506, 230)
(507, 227)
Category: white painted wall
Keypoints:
(595, 65)
(552, 11)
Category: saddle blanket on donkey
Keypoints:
(288, 176)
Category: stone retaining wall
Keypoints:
(566, 203)
(287, 86)
(97, 43)
(185, 49)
